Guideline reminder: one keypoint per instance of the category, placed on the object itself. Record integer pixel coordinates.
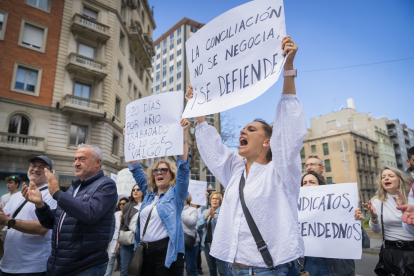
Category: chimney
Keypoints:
(350, 103)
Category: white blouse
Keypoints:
(155, 229)
(394, 228)
(271, 191)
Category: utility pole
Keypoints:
(346, 167)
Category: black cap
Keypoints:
(43, 158)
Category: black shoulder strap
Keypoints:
(382, 222)
(146, 223)
(24, 203)
(261, 244)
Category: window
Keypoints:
(33, 36)
(171, 71)
(164, 61)
(40, 4)
(164, 44)
(77, 135)
(179, 32)
(158, 56)
(119, 73)
(82, 90)
(131, 56)
(3, 21)
(171, 79)
(325, 148)
(171, 36)
(158, 66)
(178, 41)
(157, 88)
(171, 89)
(303, 167)
(117, 107)
(178, 52)
(179, 75)
(179, 87)
(313, 148)
(302, 153)
(129, 88)
(328, 165)
(171, 57)
(91, 14)
(164, 71)
(123, 12)
(115, 145)
(121, 40)
(193, 29)
(158, 46)
(86, 51)
(360, 180)
(211, 180)
(19, 124)
(210, 119)
(26, 79)
(164, 51)
(143, 17)
(157, 78)
(171, 43)
(164, 84)
(329, 179)
(147, 83)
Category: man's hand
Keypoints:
(52, 183)
(4, 219)
(408, 213)
(33, 195)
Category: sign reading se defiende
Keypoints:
(327, 223)
(197, 190)
(153, 126)
(236, 57)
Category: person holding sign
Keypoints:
(271, 172)
(330, 266)
(165, 190)
(397, 250)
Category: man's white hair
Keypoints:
(97, 152)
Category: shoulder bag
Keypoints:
(189, 241)
(135, 264)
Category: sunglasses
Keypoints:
(136, 190)
(162, 171)
(122, 203)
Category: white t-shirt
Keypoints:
(133, 223)
(155, 230)
(26, 253)
(4, 199)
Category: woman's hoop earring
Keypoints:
(264, 145)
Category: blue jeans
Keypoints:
(190, 258)
(215, 264)
(287, 269)
(110, 267)
(97, 270)
(316, 266)
(23, 274)
(126, 255)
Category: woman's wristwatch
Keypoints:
(374, 217)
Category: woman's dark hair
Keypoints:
(131, 197)
(321, 179)
(119, 202)
(268, 131)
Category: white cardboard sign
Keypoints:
(153, 126)
(197, 190)
(125, 182)
(114, 177)
(327, 223)
(236, 57)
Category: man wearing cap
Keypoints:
(13, 183)
(28, 244)
(82, 221)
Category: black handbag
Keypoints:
(189, 241)
(135, 264)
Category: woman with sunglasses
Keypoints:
(129, 223)
(165, 190)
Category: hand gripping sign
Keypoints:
(236, 57)
(327, 223)
(153, 127)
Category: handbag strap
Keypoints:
(382, 222)
(148, 219)
(261, 244)
(24, 203)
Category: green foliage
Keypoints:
(365, 223)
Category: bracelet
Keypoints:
(374, 217)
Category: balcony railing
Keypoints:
(360, 150)
(143, 46)
(86, 66)
(22, 142)
(369, 152)
(395, 141)
(375, 154)
(92, 107)
(90, 27)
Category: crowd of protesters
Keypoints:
(252, 230)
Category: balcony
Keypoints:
(86, 67)
(362, 167)
(20, 142)
(399, 162)
(395, 141)
(143, 48)
(360, 150)
(376, 154)
(392, 133)
(75, 104)
(86, 26)
(369, 152)
(397, 152)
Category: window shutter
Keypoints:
(33, 36)
(90, 13)
(86, 51)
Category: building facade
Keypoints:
(170, 73)
(402, 139)
(102, 62)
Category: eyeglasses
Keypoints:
(162, 171)
(41, 167)
(122, 203)
(312, 165)
(215, 198)
(136, 190)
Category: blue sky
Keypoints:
(330, 34)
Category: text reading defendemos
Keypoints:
(236, 57)
(326, 221)
(153, 127)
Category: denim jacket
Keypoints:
(169, 206)
(203, 223)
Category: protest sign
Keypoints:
(327, 223)
(125, 182)
(197, 190)
(114, 177)
(236, 57)
(153, 127)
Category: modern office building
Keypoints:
(72, 87)
(170, 73)
(403, 139)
